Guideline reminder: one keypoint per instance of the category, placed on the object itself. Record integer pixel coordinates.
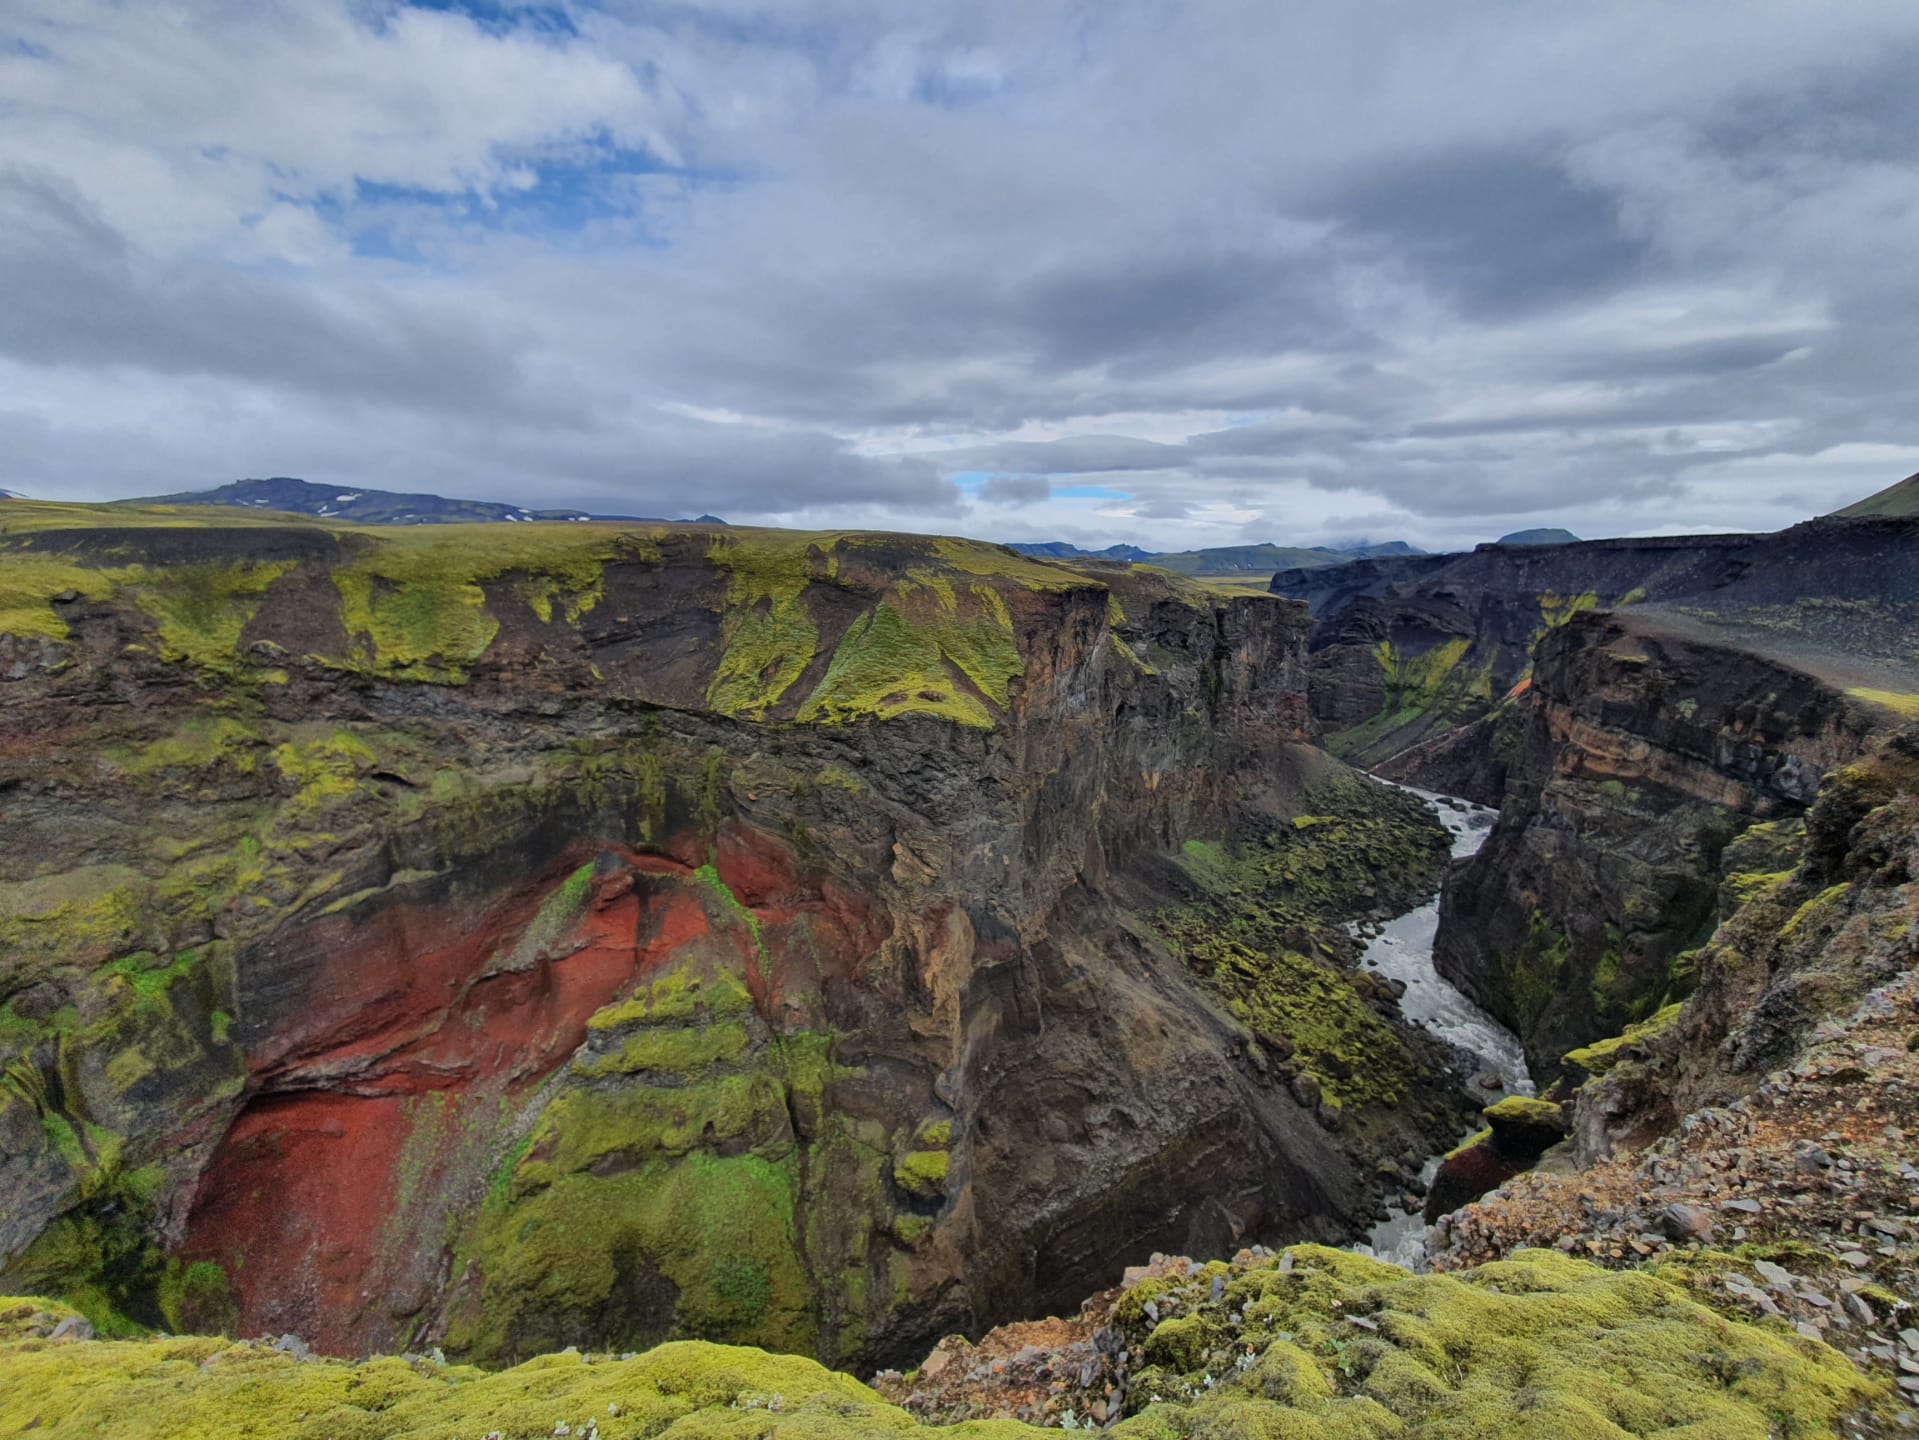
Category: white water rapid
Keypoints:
(1402, 949)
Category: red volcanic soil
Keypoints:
(396, 1084)
(380, 1103)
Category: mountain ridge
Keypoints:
(293, 496)
(1263, 558)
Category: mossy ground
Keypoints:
(1315, 1344)
(210, 1389)
(935, 634)
(1324, 1343)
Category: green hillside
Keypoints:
(1893, 501)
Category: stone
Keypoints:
(293, 1345)
(74, 1327)
(1306, 1090)
(1683, 1224)
(1810, 1157)
(1776, 1276)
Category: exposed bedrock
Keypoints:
(1643, 755)
(1406, 650)
(824, 943)
(1519, 1130)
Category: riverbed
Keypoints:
(1402, 949)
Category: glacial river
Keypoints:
(1403, 950)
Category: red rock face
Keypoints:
(380, 1110)
(413, 1043)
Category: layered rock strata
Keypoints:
(515, 938)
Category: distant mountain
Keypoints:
(376, 507)
(1225, 559)
(1892, 502)
(1539, 537)
(11, 495)
(1061, 550)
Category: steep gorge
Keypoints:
(594, 935)
(1652, 718)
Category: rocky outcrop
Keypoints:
(1770, 1114)
(1518, 1131)
(555, 935)
(1644, 755)
(1405, 651)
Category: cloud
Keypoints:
(1016, 489)
(1180, 275)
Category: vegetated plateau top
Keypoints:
(809, 626)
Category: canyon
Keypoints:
(615, 936)
(590, 935)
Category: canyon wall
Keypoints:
(513, 938)
(1406, 651)
(1642, 757)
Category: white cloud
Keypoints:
(1260, 272)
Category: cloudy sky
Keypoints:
(1178, 272)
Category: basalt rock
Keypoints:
(516, 938)
(1646, 752)
(1518, 1131)
(1407, 651)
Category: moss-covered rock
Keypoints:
(1269, 930)
(1315, 1344)
(1321, 1343)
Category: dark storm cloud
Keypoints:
(1263, 272)
(1499, 233)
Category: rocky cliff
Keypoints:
(1642, 756)
(1405, 651)
(528, 936)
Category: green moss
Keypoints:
(731, 907)
(669, 1051)
(198, 1389)
(1743, 887)
(1529, 974)
(922, 1173)
(934, 1134)
(1430, 682)
(679, 996)
(74, 917)
(200, 610)
(1271, 913)
(768, 633)
(1901, 703)
(719, 1230)
(1478, 1137)
(1538, 1344)
(149, 977)
(1597, 1059)
(28, 585)
(1556, 610)
(1524, 1110)
(884, 667)
(99, 1257)
(202, 741)
(195, 1298)
(323, 771)
(1822, 909)
(413, 600)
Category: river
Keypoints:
(1402, 949)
